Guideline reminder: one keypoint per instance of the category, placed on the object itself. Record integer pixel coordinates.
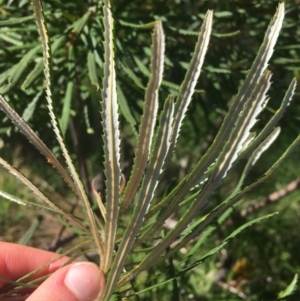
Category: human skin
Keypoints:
(80, 281)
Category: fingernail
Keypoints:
(85, 281)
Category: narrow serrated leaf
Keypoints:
(47, 60)
(255, 156)
(111, 138)
(34, 189)
(146, 191)
(273, 121)
(35, 140)
(148, 121)
(191, 77)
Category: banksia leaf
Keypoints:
(191, 77)
(35, 140)
(48, 83)
(146, 192)
(148, 121)
(34, 189)
(111, 140)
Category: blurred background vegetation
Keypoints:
(263, 259)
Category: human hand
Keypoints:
(81, 281)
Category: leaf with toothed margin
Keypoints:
(111, 138)
(249, 149)
(273, 121)
(191, 78)
(35, 140)
(47, 62)
(34, 189)
(264, 145)
(148, 121)
(187, 90)
(146, 192)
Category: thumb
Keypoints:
(82, 281)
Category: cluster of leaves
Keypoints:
(78, 62)
(74, 28)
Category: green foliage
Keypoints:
(289, 290)
(126, 225)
